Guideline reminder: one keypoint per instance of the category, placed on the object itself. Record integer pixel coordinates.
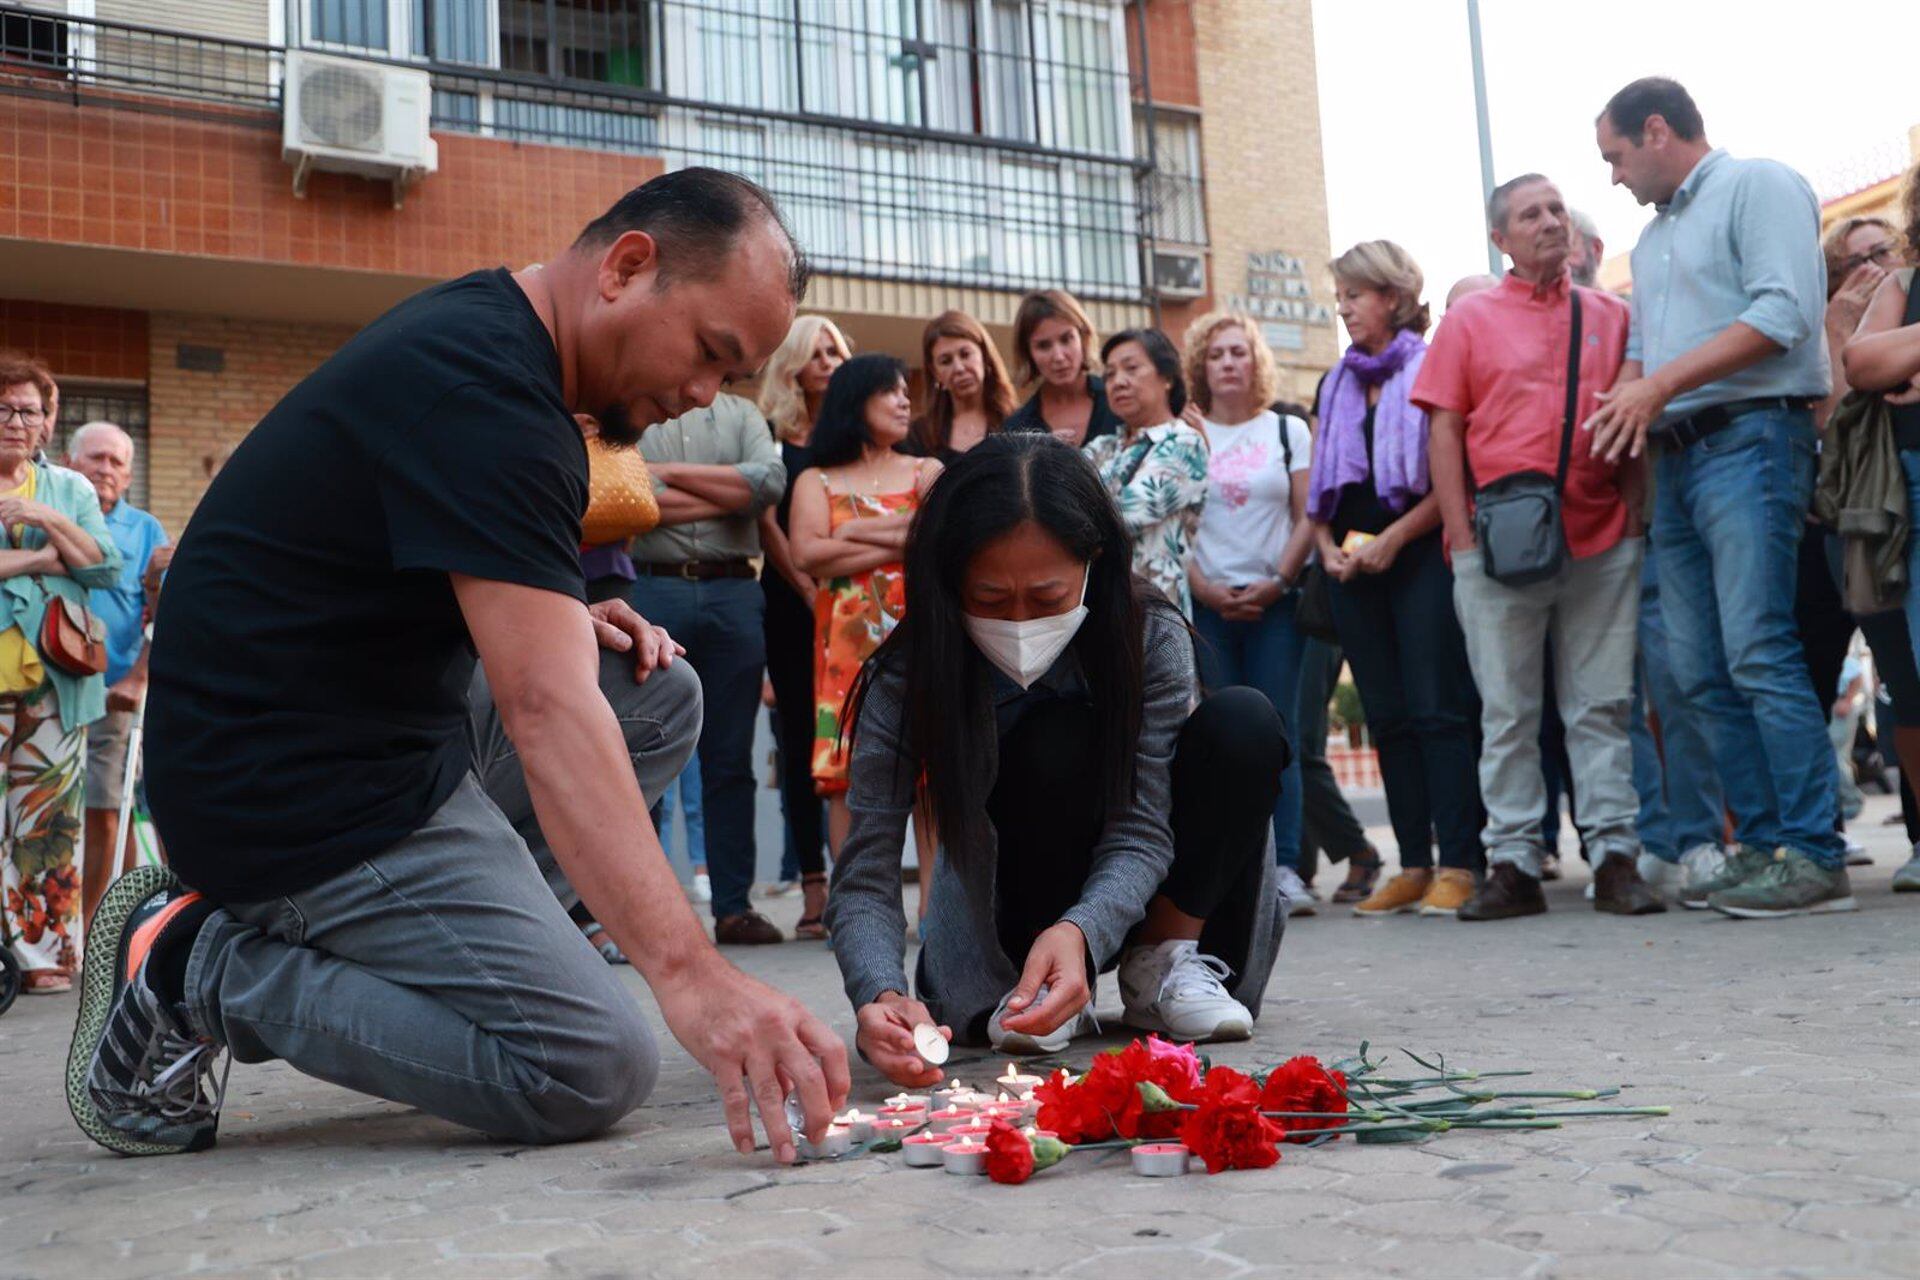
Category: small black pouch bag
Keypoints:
(1516, 519)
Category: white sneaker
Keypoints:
(778, 889)
(1857, 855)
(1663, 877)
(1702, 863)
(1296, 898)
(1172, 989)
(702, 888)
(1020, 1044)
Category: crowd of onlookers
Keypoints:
(1568, 546)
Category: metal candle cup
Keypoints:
(858, 1123)
(948, 1094)
(977, 1131)
(910, 1116)
(1017, 1082)
(886, 1127)
(837, 1141)
(1160, 1160)
(922, 1150)
(947, 1117)
(964, 1157)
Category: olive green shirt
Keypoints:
(732, 433)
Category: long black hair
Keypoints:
(841, 432)
(1003, 482)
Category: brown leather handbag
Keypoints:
(620, 501)
(73, 638)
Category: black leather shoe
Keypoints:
(1619, 890)
(1505, 893)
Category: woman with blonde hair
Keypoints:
(971, 393)
(1376, 523)
(1253, 539)
(1055, 344)
(791, 389)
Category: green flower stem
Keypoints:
(1471, 1122)
(1578, 1095)
(1117, 1144)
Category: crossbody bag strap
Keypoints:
(1573, 394)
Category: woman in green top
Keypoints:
(55, 544)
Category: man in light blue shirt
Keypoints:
(103, 453)
(1726, 357)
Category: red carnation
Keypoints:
(1302, 1084)
(1009, 1154)
(1070, 1110)
(1226, 1129)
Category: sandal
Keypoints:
(46, 982)
(1362, 875)
(603, 943)
(813, 927)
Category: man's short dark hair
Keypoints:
(1502, 197)
(1628, 110)
(696, 215)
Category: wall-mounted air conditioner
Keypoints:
(348, 116)
(1178, 273)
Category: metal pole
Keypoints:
(1486, 135)
(1145, 214)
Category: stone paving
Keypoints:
(1787, 1050)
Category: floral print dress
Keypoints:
(1159, 482)
(851, 616)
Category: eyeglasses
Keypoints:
(1881, 255)
(31, 417)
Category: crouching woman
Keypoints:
(1094, 810)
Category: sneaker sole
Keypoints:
(100, 976)
(1230, 1029)
(1761, 913)
(1438, 911)
(1378, 913)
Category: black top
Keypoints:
(798, 458)
(310, 663)
(1103, 421)
(1906, 417)
(1360, 507)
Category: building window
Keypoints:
(1174, 194)
(353, 24)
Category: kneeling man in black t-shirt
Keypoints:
(351, 897)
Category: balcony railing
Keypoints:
(993, 154)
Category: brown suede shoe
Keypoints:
(748, 929)
(1505, 893)
(1619, 890)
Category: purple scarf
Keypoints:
(1399, 429)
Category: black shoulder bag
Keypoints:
(1313, 603)
(1516, 519)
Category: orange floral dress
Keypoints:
(851, 616)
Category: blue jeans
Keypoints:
(1263, 655)
(1910, 463)
(685, 792)
(719, 621)
(1680, 801)
(1729, 513)
(1402, 639)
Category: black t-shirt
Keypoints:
(1360, 506)
(310, 662)
(1102, 421)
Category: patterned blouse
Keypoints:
(1160, 484)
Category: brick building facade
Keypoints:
(154, 252)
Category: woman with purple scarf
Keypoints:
(1377, 526)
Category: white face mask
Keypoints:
(1024, 651)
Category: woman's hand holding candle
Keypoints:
(1057, 961)
(885, 1039)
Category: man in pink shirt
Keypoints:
(1495, 383)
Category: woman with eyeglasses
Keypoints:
(54, 547)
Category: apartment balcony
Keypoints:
(973, 144)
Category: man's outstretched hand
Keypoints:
(761, 1044)
(617, 627)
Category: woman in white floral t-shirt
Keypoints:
(1155, 466)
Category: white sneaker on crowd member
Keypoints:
(1020, 1044)
(1857, 855)
(1702, 863)
(1295, 893)
(702, 887)
(1663, 877)
(780, 889)
(1173, 989)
